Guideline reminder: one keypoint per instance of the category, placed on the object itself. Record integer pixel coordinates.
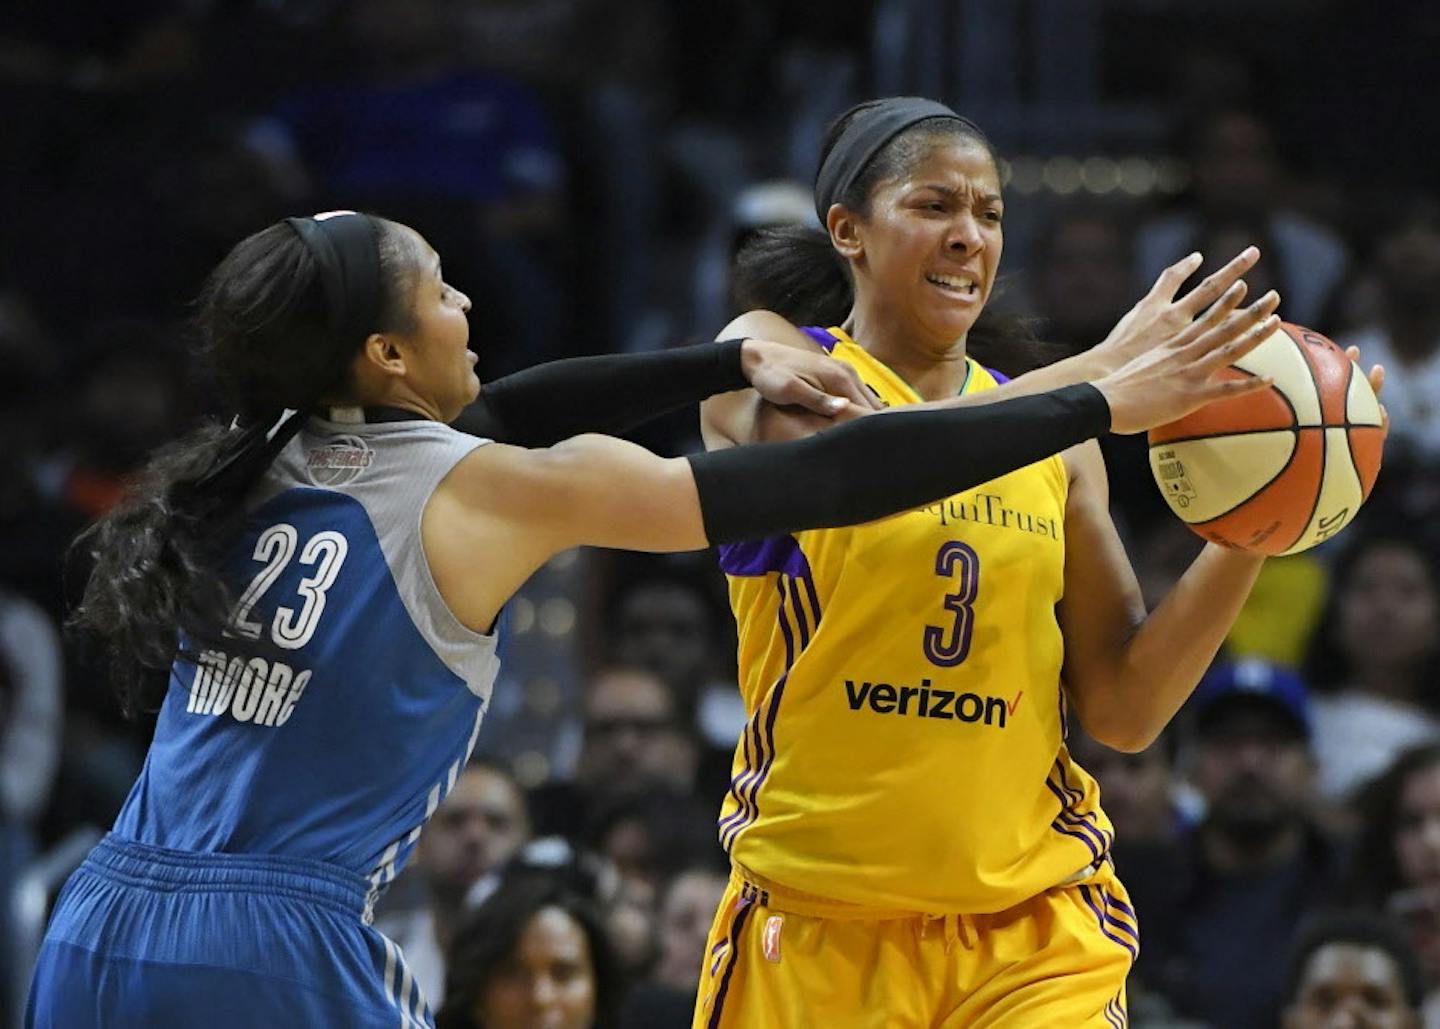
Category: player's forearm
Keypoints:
(904, 460)
(1164, 659)
(610, 393)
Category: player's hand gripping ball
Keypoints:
(1283, 469)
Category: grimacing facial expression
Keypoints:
(930, 245)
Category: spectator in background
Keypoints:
(634, 743)
(634, 740)
(1396, 864)
(1256, 864)
(668, 626)
(533, 954)
(1080, 268)
(479, 827)
(1405, 338)
(1375, 659)
(667, 997)
(648, 840)
(1353, 970)
(1238, 179)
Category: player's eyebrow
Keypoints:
(953, 191)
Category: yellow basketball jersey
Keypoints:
(905, 743)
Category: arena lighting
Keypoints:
(1096, 174)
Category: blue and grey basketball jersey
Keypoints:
(348, 697)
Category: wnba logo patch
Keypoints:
(770, 941)
(338, 462)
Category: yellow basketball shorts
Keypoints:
(1058, 959)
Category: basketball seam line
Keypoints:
(1256, 432)
(1294, 417)
(1350, 371)
(1324, 444)
(1257, 491)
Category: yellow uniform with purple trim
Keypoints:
(904, 757)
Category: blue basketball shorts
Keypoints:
(151, 938)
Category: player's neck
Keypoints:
(936, 370)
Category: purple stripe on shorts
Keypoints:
(1124, 908)
(1119, 923)
(730, 968)
(1110, 1016)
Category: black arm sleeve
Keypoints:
(876, 466)
(610, 393)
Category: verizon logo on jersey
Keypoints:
(928, 701)
(248, 689)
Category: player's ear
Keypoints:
(384, 354)
(844, 229)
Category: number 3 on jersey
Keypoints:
(325, 552)
(947, 646)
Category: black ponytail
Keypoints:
(264, 329)
(795, 272)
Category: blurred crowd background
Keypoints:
(587, 168)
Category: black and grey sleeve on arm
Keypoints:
(879, 465)
(610, 393)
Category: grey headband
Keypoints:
(865, 136)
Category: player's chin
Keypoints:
(953, 324)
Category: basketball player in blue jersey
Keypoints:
(317, 586)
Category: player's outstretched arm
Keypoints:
(1164, 317)
(614, 393)
(519, 507)
(503, 511)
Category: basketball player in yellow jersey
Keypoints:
(912, 844)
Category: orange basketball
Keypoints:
(1280, 470)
